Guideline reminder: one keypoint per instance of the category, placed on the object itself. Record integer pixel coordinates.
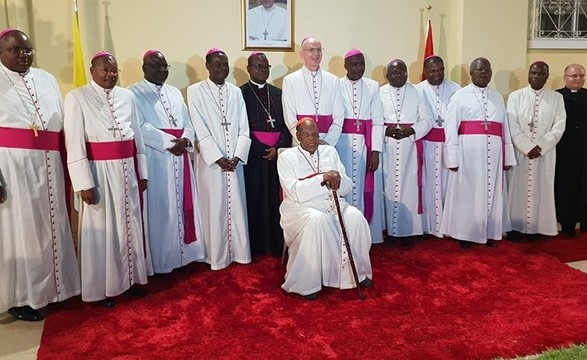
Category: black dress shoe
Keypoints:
(570, 233)
(106, 303)
(514, 236)
(137, 291)
(466, 244)
(311, 297)
(367, 283)
(25, 313)
(491, 243)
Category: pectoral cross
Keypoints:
(225, 124)
(35, 127)
(271, 122)
(172, 120)
(113, 129)
(358, 125)
(531, 125)
(485, 125)
(265, 34)
(439, 121)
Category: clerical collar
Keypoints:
(539, 91)
(98, 87)
(269, 9)
(8, 71)
(260, 86)
(212, 83)
(478, 87)
(353, 81)
(310, 72)
(304, 152)
(152, 84)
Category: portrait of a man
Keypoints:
(268, 24)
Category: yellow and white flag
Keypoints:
(79, 67)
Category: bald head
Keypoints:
(397, 73)
(574, 76)
(311, 53)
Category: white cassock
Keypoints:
(317, 255)
(435, 173)
(531, 183)
(221, 193)
(362, 133)
(111, 245)
(268, 26)
(38, 264)
(163, 116)
(475, 207)
(402, 159)
(315, 94)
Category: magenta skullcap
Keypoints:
(150, 52)
(6, 31)
(101, 53)
(214, 51)
(432, 56)
(352, 52)
(256, 53)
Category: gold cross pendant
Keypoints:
(35, 128)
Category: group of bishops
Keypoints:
(160, 184)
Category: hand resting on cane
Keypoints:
(331, 180)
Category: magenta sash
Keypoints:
(477, 127)
(118, 150)
(267, 138)
(435, 135)
(110, 150)
(420, 160)
(323, 122)
(365, 129)
(17, 138)
(25, 139)
(189, 225)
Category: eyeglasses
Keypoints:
(314, 50)
(261, 66)
(576, 76)
(159, 67)
(19, 50)
(106, 71)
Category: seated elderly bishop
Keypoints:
(310, 174)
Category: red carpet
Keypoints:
(561, 247)
(434, 301)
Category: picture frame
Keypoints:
(268, 25)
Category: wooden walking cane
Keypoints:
(347, 244)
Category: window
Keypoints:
(558, 24)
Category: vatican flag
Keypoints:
(79, 67)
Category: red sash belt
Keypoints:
(25, 139)
(118, 150)
(420, 159)
(323, 122)
(477, 127)
(435, 135)
(349, 126)
(47, 140)
(267, 138)
(111, 150)
(189, 225)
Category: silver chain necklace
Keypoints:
(170, 119)
(536, 106)
(397, 110)
(483, 106)
(267, 110)
(313, 96)
(114, 128)
(222, 113)
(316, 171)
(30, 115)
(351, 97)
(438, 108)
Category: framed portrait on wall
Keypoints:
(268, 24)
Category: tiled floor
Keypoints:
(20, 340)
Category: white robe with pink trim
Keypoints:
(475, 209)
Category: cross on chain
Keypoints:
(225, 123)
(265, 34)
(271, 121)
(114, 130)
